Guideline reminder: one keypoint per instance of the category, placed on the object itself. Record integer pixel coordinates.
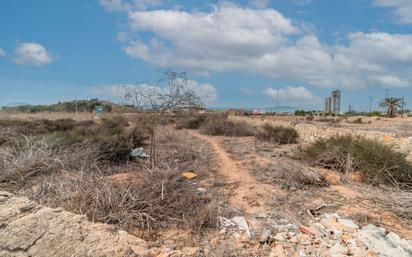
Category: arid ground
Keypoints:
(253, 194)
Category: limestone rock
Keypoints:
(27, 229)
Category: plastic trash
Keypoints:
(201, 191)
(139, 153)
(189, 175)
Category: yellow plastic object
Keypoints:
(189, 175)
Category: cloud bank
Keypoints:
(292, 95)
(263, 41)
(402, 9)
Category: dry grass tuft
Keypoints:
(288, 172)
(392, 200)
(30, 157)
(163, 200)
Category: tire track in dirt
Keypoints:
(244, 191)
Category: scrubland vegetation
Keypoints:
(85, 167)
(379, 163)
(74, 165)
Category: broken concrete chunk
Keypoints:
(386, 245)
(242, 224)
(348, 224)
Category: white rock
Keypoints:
(349, 224)
(386, 245)
(242, 224)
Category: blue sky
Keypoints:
(237, 53)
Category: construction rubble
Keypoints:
(328, 235)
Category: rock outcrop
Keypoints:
(27, 229)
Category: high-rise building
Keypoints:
(336, 100)
(328, 105)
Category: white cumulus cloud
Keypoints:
(292, 95)
(402, 9)
(2, 52)
(263, 41)
(32, 54)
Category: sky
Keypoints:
(250, 53)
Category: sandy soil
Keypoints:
(246, 193)
(251, 196)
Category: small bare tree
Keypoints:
(154, 100)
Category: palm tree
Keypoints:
(391, 103)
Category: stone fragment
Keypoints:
(242, 224)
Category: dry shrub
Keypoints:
(74, 168)
(32, 157)
(163, 200)
(289, 172)
(379, 163)
(192, 122)
(107, 142)
(358, 120)
(77, 179)
(35, 127)
(113, 138)
(221, 125)
(278, 134)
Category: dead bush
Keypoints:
(192, 122)
(30, 157)
(113, 138)
(71, 169)
(379, 163)
(287, 172)
(221, 125)
(278, 134)
(163, 200)
(36, 127)
(358, 120)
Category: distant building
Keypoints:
(333, 102)
(328, 105)
(336, 100)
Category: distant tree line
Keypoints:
(71, 106)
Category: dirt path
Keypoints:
(245, 192)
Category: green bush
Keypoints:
(374, 114)
(278, 134)
(379, 163)
(221, 125)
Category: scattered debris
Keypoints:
(242, 224)
(332, 235)
(139, 153)
(201, 191)
(189, 175)
(309, 231)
